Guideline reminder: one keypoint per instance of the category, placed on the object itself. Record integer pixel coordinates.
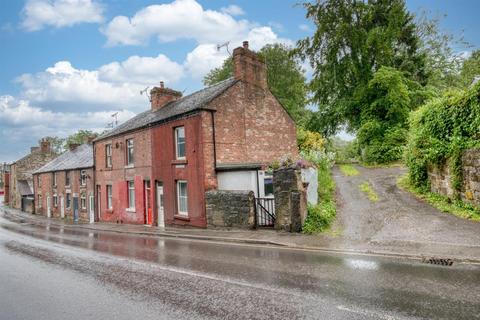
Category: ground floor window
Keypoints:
(39, 201)
(55, 200)
(109, 197)
(69, 201)
(182, 197)
(131, 195)
(83, 201)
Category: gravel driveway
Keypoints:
(397, 219)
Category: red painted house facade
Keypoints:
(182, 145)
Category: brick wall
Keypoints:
(440, 178)
(230, 209)
(120, 173)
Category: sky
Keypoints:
(67, 65)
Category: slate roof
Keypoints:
(81, 157)
(184, 105)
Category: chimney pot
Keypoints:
(162, 85)
(245, 44)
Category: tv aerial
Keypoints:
(224, 45)
(145, 91)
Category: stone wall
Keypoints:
(290, 199)
(230, 209)
(441, 178)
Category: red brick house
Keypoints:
(156, 167)
(64, 187)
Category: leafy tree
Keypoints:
(80, 137)
(470, 69)
(56, 143)
(285, 79)
(353, 40)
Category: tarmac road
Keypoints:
(49, 272)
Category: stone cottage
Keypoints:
(157, 167)
(21, 175)
(64, 187)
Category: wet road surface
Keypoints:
(49, 272)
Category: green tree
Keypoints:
(352, 41)
(470, 69)
(285, 78)
(56, 143)
(80, 137)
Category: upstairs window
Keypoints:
(67, 178)
(108, 156)
(54, 179)
(180, 143)
(130, 152)
(39, 180)
(131, 195)
(83, 177)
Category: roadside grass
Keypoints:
(349, 170)
(442, 203)
(366, 188)
(382, 165)
(321, 216)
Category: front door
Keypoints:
(62, 207)
(92, 208)
(160, 209)
(49, 206)
(148, 207)
(75, 209)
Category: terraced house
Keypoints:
(64, 187)
(155, 168)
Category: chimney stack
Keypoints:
(160, 96)
(248, 67)
(34, 149)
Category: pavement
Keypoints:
(397, 225)
(50, 271)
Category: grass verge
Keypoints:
(365, 187)
(382, 165)
(349, 170)
(442, 203)
(321, 216)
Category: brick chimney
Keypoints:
(248, 67)
(34, 149)
(160, 96)
(45, 146)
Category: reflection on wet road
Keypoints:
(51, 272)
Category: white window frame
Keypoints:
(68, 200)
(39, 180)
(83, 201)
(108, 156)
(177, 156)
(54, 179)
(55, 200)
(83, 177)
(130, 159)
(131, 187)
(109, 197)
(40, 198)
(180, 212)
(68, 178)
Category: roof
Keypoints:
(184, 105)
(238, 166)
(80, 157)
(24, 188)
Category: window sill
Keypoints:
(131, 210)
(181, 217)
(179, 161)
(109, 211)
(130, 166)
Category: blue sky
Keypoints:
(69, 64)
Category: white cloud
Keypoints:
(60, 13)
(204, 58)
(304, 27)
(116, 84)
(233, 10)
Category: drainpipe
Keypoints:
(212, 113)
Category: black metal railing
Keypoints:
(265, 212)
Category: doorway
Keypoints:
(160, 205)
(91, 208)
(49, 206)
(62, 207)
(148, 206)
(75, 209)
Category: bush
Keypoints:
(439, 133)
(319, 217)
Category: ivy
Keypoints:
(440, 131)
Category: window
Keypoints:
(54, 179)
(55, 200)
(130, 152)
(39, 180)
(131, 195)
(39, 201)
(67, 178)
(69, 201)
(83, 177)
(180, 142)
(109, 198)
(108, 155)
(268, 185)
(83, 201)
(182, 198)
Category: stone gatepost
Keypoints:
(290, 199)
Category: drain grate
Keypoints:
(438, 261)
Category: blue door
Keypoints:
(75, 209)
